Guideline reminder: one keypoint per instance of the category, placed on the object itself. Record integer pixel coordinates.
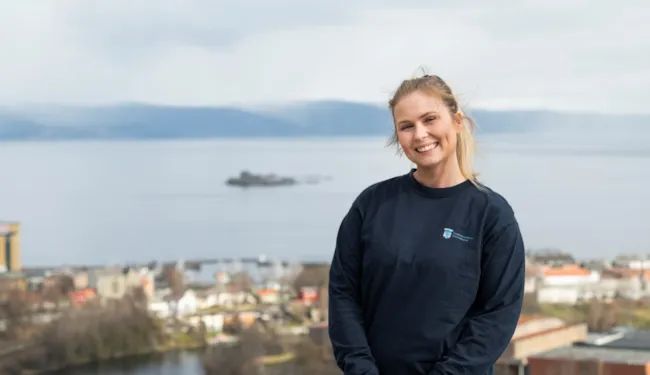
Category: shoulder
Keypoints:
(499, 214)
(379, 192)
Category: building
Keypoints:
(10, 246)
(80, 297)
(622, 351)
(569, 275)
(570, 284)
(632, 284)
(35, 279)
(536, 335)
(116, 283)
(269, 296)
(632, 261)
(619, 338)
(531, 280)
(574, 360)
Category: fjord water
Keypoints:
(113, 202)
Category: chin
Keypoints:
(427, 165)
(428, 162)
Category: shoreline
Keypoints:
(267, 360)
(158, 350)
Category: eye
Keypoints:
(406, 126)
(430, 119)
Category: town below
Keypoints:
(271, 316)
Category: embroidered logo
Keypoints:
(448, 233)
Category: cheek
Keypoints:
(450, 137)
(403, 141)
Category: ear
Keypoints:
(459, 121)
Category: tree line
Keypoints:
(93, 332)
(244, 357)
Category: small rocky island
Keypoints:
(247, 179)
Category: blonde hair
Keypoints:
(465, 144)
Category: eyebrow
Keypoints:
(429, 113)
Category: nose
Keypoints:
(420, 131)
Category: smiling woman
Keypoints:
(428, 105)
(427, 276)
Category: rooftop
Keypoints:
(620, 338)
(530, 326)
(631, 257)
(623, 273)
(567, 270)
(34, 273)
(6, 227)
(598, 353)
(11, 275)
(523, 318)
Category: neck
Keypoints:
(440, 176)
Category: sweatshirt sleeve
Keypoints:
(496, 310)
(346, 326)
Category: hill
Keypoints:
(309, 119)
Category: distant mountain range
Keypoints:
(310, 119)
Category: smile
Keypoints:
(427, 147)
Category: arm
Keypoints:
(346, 327)
(497, 307)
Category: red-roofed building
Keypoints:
(571, 274)
(308, 295)
(79, 297)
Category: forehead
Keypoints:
(415, 104)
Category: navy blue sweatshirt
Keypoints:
(425, 280)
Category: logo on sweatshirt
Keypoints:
(448, 233)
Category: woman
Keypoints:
(428, 272)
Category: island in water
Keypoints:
(247, 179)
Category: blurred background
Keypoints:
(174, 173)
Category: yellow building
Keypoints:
(10, 246)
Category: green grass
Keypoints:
(569, 313)
(628, 313)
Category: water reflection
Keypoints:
(174, 363)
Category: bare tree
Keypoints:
(594, 315)
(314, 359)
(52, 294)
(315, 276)
(531, 305)
(15, 311)
(609, 317)
(238, 359)
(244, 358)
(66, 284)
(241, 281)
(176, 282)
(94, 332)
(601, 316)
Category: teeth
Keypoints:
(427, 148)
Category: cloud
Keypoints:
(551, 54)
(142, 27)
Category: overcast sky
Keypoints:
(563, 54)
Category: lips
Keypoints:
(428, 147)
